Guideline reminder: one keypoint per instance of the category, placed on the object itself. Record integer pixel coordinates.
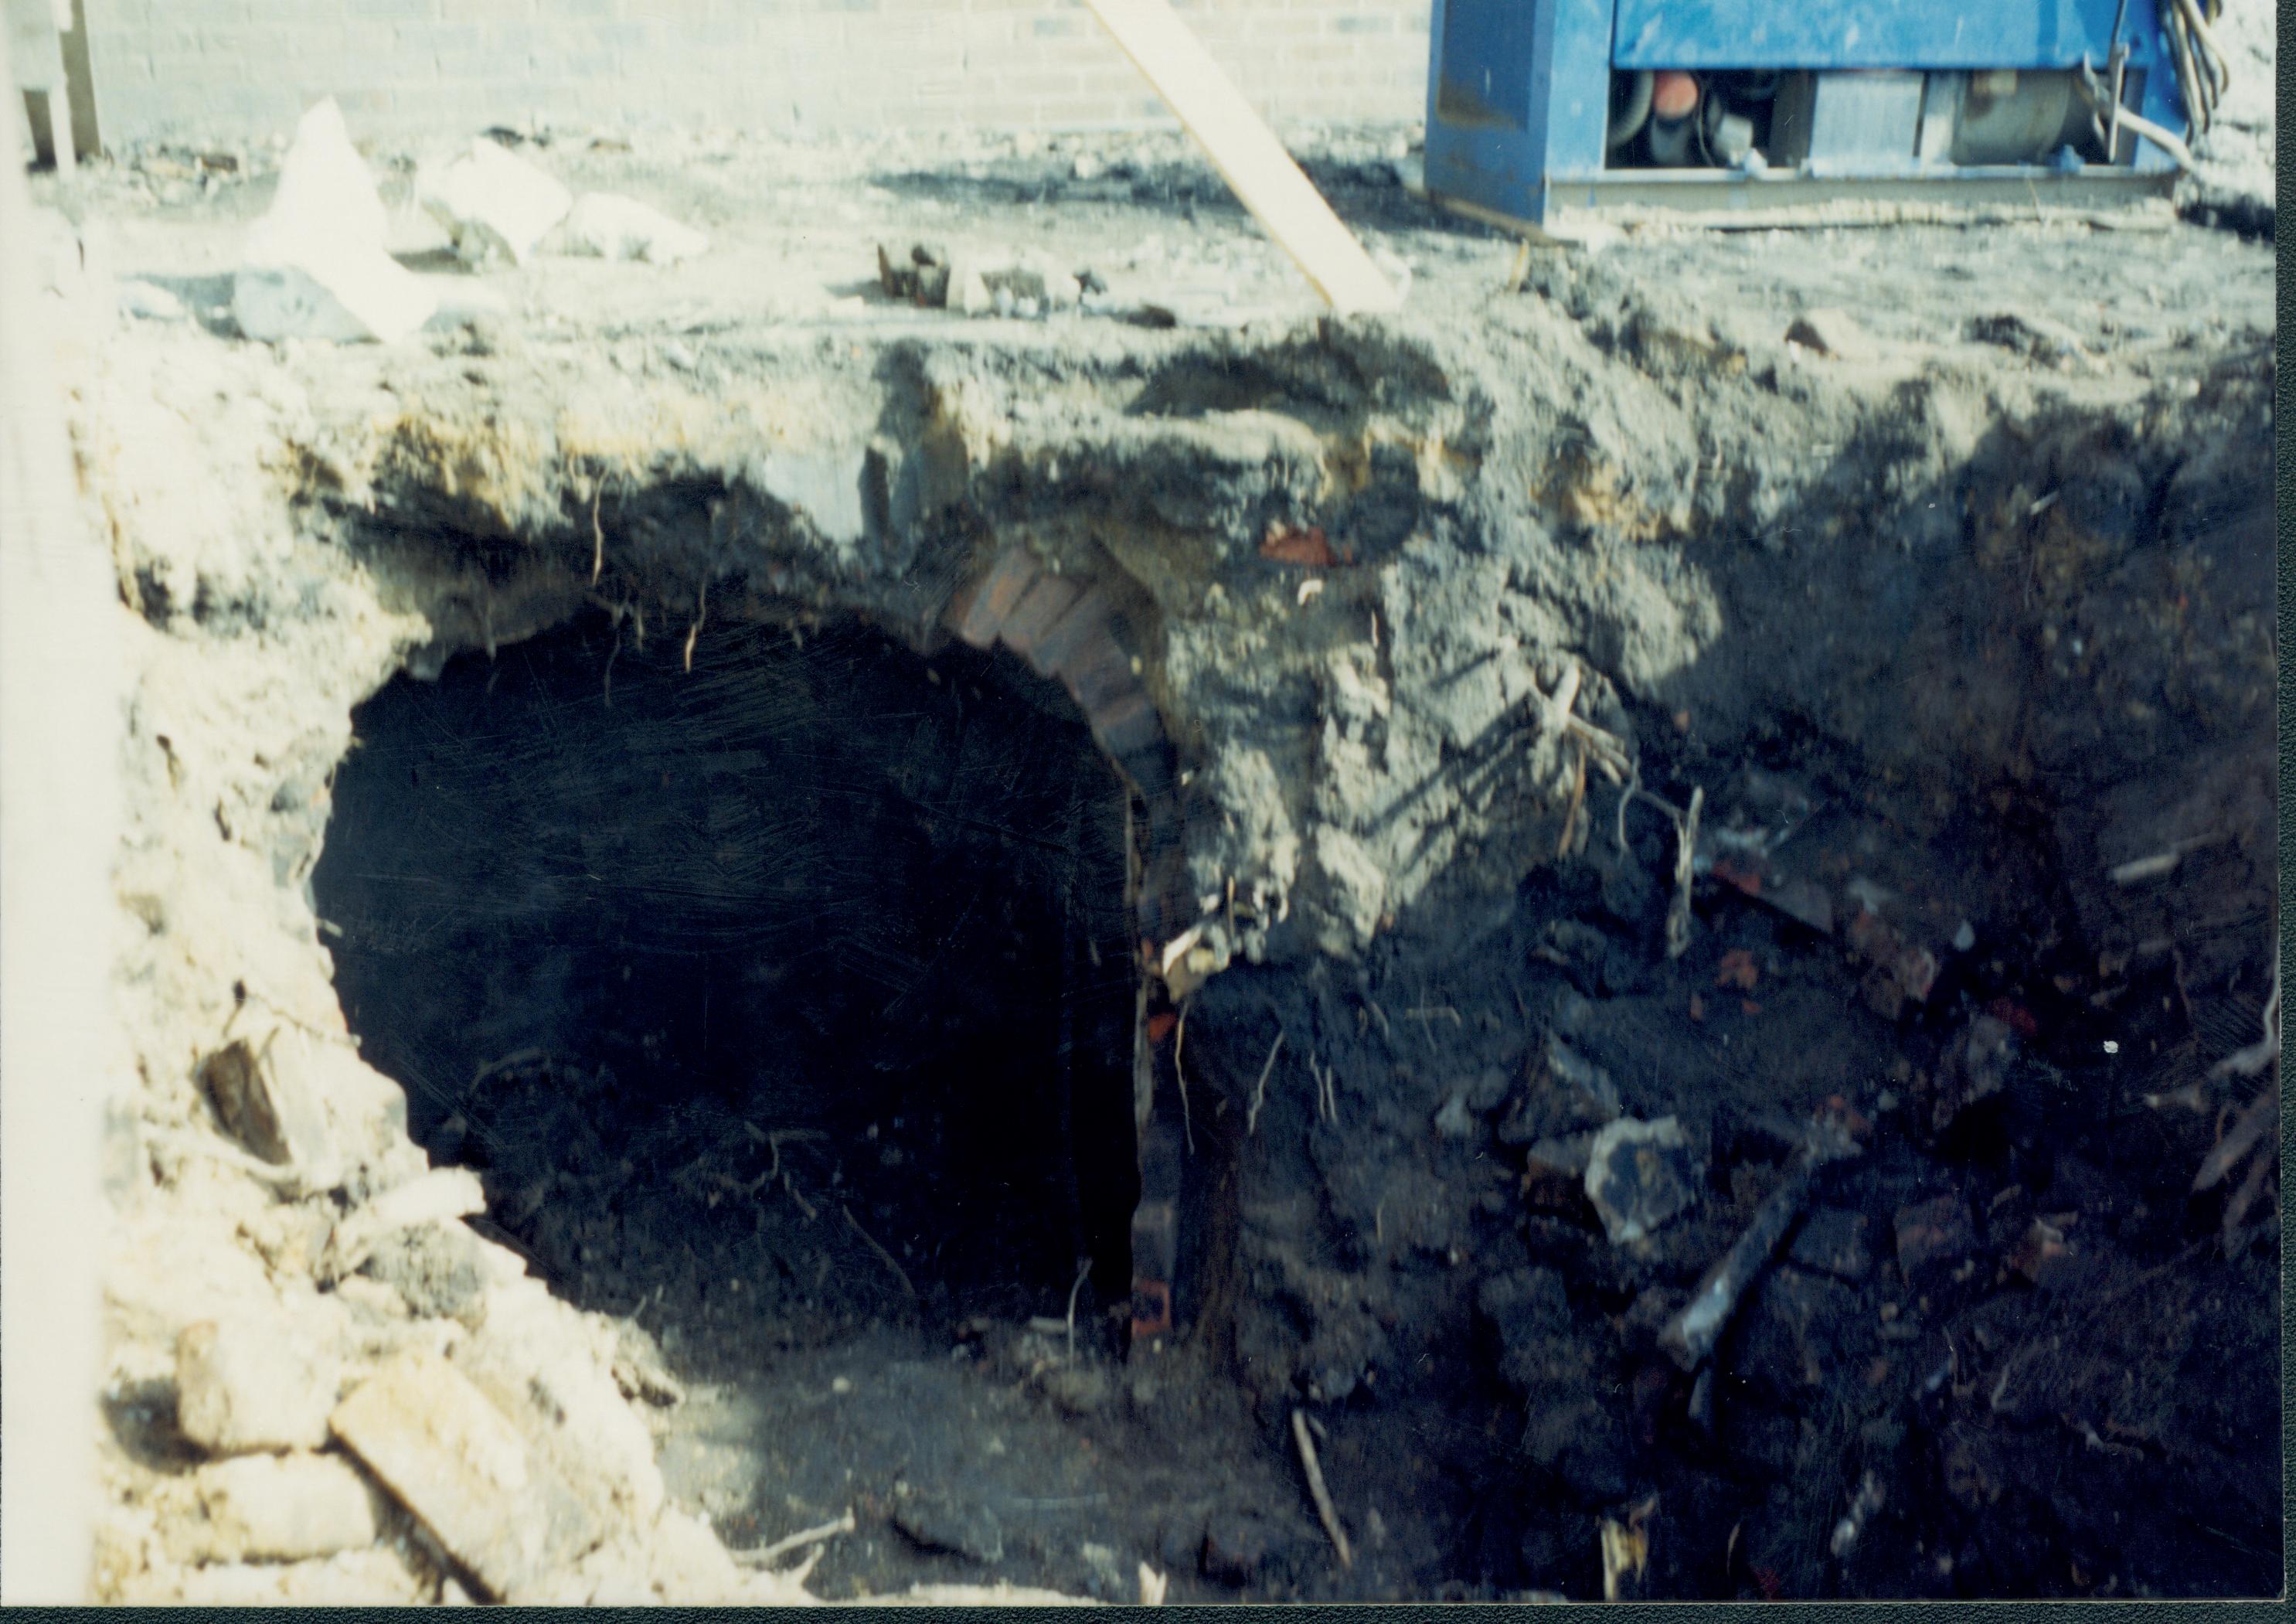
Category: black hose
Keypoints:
(1629, 124)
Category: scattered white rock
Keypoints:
(606, 225)
(493, 204)
(315, 266)
(285, 1507)
(243, 1384)
(968, 293)
(149, 301)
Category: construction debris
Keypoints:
(457, 1462)
(1831, 333)
(1862, 1505)
(285, 1507)
(244, 1385)
(438, 1196)
(607, 225)
(496, 207)
(263, 1091)
(1640, 1175)
(1933, 1232)
(978, 281)
(315, 265)
(1690, 1335)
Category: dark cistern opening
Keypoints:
(799, 981)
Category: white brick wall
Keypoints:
(247, 68)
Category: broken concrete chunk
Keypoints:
(1639, 1175)
(457, 1462)
(436, 1197)
(376, 1576)
(315, 266)
(550, 1371)
(285, 1507)
(495, 205)
(246, 1385)
(1831, 333)
(978, 282)
(607, 225)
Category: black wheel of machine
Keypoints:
(1627, 120)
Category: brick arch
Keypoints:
(1070, 628)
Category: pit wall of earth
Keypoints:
(1332, 573)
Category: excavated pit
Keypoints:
(771, 997)
(1238, 656)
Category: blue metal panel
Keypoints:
(1518, 89)
(1518, 93)
(1873, 34)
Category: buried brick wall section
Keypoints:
(242, 70)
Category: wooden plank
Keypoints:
(1247, 153)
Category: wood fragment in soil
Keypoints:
(1259, 1089)
(767, 1555)
(1317, 1491)
(891, 1261)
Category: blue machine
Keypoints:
(1539, 110)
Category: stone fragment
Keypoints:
(150, 301)
(1976, 1068)
(436, 1197)
(377, 1575)
(968, 293)
(457, 1462)
(1933, 1232)
(494, 205)
(262, 1090)
(1833, 1241)
(1639, 1175)
(1235, 1549)
(550, 1371)
(315, 265)
(1355, 892)
(285, 1507)
(939, 1521)
(607, 225)
(246, 1385)
(1831, 333)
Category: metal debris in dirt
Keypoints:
(1690, 1335)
